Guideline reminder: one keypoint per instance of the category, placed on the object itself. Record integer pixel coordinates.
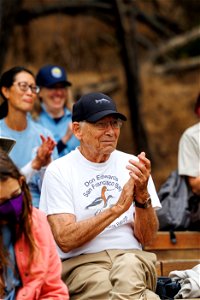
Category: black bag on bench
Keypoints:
(180, 207)
(166, 288)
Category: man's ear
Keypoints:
(77, 130)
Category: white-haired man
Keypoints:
(100, 205)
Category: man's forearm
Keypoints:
(70, 234)
(194, 183)
(75, 234)
(145, 225)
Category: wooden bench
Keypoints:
(182, 255)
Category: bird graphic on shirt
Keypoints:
(100, 202)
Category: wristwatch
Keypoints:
(146, 204)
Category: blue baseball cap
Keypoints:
(93, 107)
(50, 75)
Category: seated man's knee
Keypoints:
(129, 261)
(89, 281)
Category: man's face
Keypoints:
(99, 140)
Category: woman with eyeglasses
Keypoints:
(34, 144)
(30, 267)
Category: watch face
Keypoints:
(143, 205)
(148, 203)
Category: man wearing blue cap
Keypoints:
(100, 203)
(52, 111)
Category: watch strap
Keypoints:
(146, 204)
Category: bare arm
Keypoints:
(70, 234)
(194, 183)
(146, 222)
(145, 225)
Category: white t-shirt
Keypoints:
(74, 185)
(189, 152)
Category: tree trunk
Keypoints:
(125, 24)
(8, 11)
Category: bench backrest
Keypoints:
(183, 255)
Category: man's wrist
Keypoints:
(145, 204)
(141, 197)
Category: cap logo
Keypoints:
(56, 72)
(102, 100)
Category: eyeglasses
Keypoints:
(102, 125)
(24, 86)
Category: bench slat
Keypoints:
(177, 265)
(185, 240)
(177, 254)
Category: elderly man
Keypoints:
(100, 205)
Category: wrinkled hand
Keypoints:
(43, 156)
(68, 133)
(140, 171)
(126, 197)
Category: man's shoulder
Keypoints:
(192, 129)
(191, 132)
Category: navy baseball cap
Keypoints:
(93, 107)
(50, 75)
